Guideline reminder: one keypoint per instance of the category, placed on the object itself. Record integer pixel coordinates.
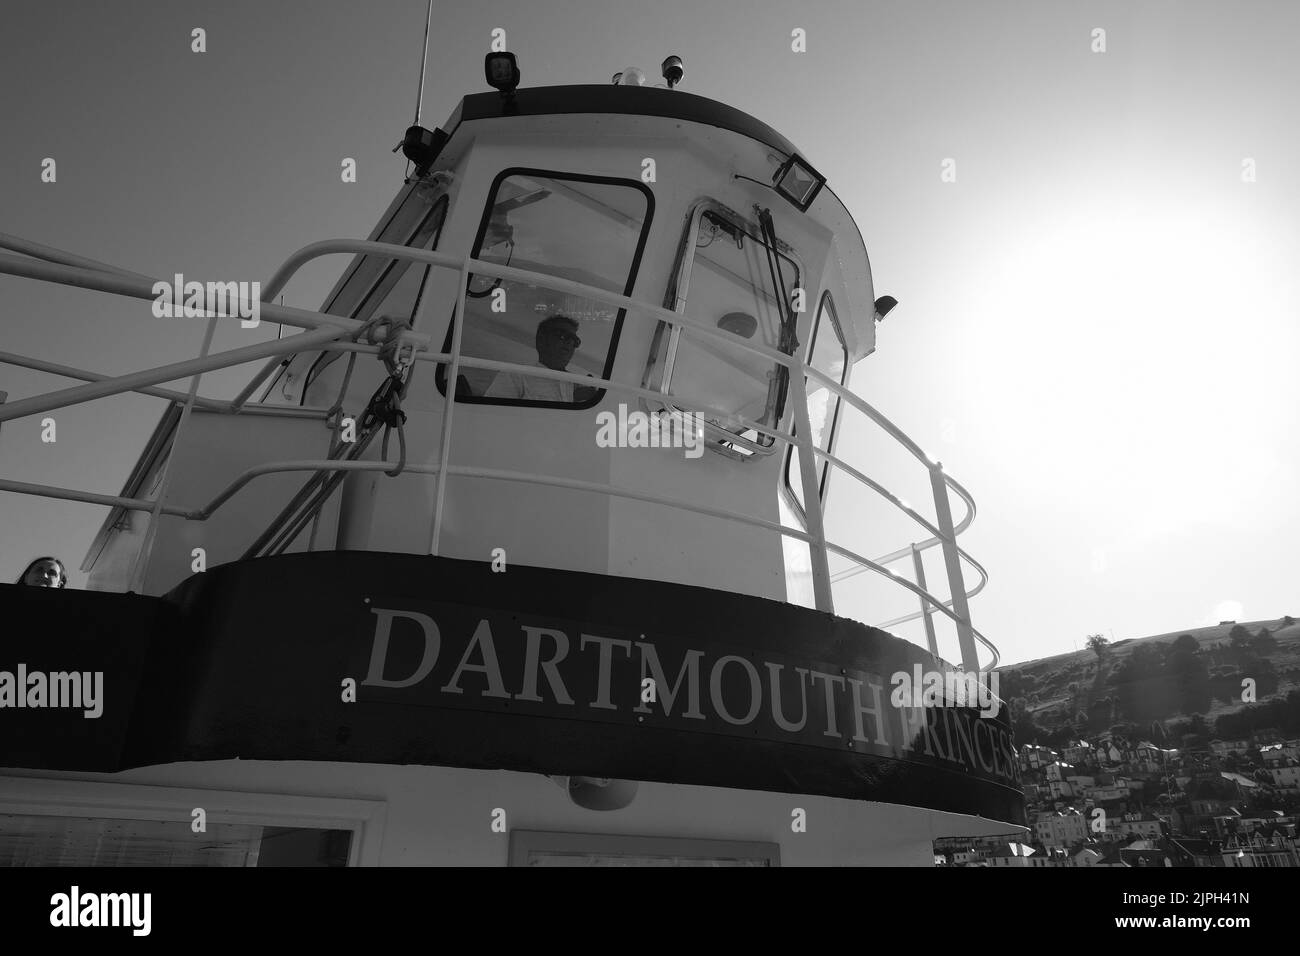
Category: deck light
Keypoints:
(422, 146)
(798, 182)
(502, 72)
(884, 305)
(672, 71)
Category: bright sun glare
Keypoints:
(1127, 341)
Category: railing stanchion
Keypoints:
(812, 499)
(919, 564)
(952, 560)
(136, 582)
(453, 371)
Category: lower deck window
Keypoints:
(544, 848)
(90, 841)
(70, 822)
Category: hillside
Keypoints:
(1164, 678)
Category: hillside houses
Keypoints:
(1119, 802)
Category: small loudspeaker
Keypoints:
(739, 323)
(598, 793)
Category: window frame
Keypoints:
(440, 205)
(826, 303)
(68, 797)
(524, 842)
(440, 376)
(675, 298)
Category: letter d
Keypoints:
(379, 653)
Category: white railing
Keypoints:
(330, 332)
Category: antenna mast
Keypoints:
(419, 145)
(424, 59)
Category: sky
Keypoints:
(1100, 317)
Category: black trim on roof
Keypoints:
(607, 98)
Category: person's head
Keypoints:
(557, 340)
(45, 573)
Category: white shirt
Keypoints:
(531, 388)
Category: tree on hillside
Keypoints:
(1143, 694)
(1264, 641)
(1239, 638)
(1097, 643)
(1024, 729)
(1191, 676)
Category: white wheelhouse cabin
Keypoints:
(567, 643)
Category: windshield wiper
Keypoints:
(789, 339)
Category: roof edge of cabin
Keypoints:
(629, 100)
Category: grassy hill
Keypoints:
(1144, 679)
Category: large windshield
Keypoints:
(731, 282)
(584, 229)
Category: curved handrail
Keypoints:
(280, 467)
(498, 270)
(330, 333)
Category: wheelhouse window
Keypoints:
(730, 277)
(380, 286)
(392, 287)
(586, 229)
(828, 354)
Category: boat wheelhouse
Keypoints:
(518, 551)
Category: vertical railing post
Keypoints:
(812, 499)
(458, 318)
(952, 560)
(136, 582)
(926, 611)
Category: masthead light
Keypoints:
(502, 72)
(672, 71)
(798, 182)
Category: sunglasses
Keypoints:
(568, 338)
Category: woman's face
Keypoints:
(43, 574)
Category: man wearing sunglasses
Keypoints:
(557, 340)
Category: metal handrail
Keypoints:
(328, 464)
(335, 246)
(328, 328)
